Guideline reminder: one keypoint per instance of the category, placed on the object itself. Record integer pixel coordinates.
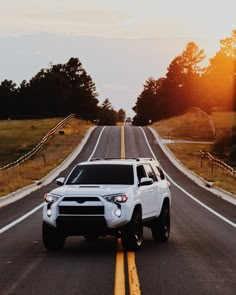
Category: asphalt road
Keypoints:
(200, 257)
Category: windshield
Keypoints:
(102, 174)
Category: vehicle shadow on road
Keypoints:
(78, 246)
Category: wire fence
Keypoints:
(40, 145)
(207, 118)
(216, 163)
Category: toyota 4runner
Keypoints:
(109, 197)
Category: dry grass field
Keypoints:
(53, 153)
(17, 137)
(193, 127)
(186, 127)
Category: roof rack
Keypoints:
(102, 159)
(144, 159)
(114, 158)
(110, 158)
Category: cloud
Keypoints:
(83, 22)
(76, 16)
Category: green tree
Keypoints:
(149, 102)
(220, 77)
(121, 115)
(108, 116)
(183, 74)
(60, 90)
(8, 99)
(174, 93)
(228, 45)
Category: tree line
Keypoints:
(63, 89)
(187, 84)
(57, 91)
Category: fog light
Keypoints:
(49, 212)
(117, 212)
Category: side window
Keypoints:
(158, 171)
(150, 173)
(162, 175)
(140, 172)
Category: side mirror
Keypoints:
(146, 181)
(60, 181)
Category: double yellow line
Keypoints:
(134, 286)
(122, 149)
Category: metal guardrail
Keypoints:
(217, 162)
(39, 146)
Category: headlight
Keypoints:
(50, 198)
(117, 198)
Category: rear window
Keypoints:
(102, 174)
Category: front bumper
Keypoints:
(77, 218)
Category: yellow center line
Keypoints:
(134, 286)
(119, 273)
(122, 152)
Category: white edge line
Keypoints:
(10, 225)
(187, 193)
(5, 228)
(93, 152)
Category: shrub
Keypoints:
(223, 143)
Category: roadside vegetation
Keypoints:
(225, 143)
(53, 153)
(191, 127)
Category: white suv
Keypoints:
(109, 197)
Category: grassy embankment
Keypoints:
(193, 127)
(19, 137)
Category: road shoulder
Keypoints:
(190, 174)
(21, 193)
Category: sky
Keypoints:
(120, 43)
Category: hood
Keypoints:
(70, 190)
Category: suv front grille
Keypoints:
(81, 199)
(81, 210)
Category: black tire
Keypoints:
(52, 239)
(161, 225)
(132, 234)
